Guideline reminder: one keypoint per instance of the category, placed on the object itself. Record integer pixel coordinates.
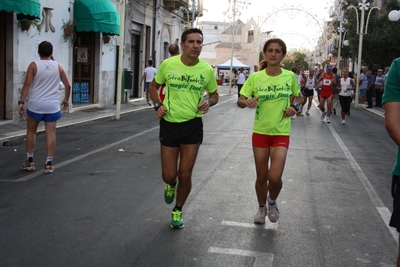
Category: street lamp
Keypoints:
(234, 9)
(363, 6)
(394, 15)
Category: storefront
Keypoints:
(25, 10)
(95, 20)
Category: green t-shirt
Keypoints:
(185, 87)
(391, 93)
(274, 95)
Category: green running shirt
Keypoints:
(185, 87)
(274, 93)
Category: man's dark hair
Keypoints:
(173, 49)
(45, 49)
(334, 70)
(278, 41)
(189, 31)
(150, 62)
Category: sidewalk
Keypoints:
(10, 130)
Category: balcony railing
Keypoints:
(175, 4)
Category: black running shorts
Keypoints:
(395, 219)
(173, 134)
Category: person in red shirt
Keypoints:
(328, 80)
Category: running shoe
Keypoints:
(307, 113)
(48, 168)
(177, 221)
(260, 217)
(28, 165)
(343, 122)
(328, 120)
(169, 193)
(299, 114)
(273, 213)
(323, 116)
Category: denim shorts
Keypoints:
(44, 117)
(362, 93)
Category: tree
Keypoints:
(380, 44)
(294, 57)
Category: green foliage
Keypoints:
(380, 44)
(294, 57)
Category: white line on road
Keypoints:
(268, 226)
(377, 202)
(261, 259)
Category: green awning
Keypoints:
(96, 16)
(29, 9)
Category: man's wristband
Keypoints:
(21, 103)
(295, 106)
(157, 105)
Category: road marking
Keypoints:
(377, 202)
(80, 157)
(261, 259)
(267, 225)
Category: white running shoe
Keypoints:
(323, 116)
(273, 213)
(293, 117)
(307, 113)
(343, 122)
(328, 120)
(260, 217)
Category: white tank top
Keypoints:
(345, 85)
(43, 94)
(310, 82)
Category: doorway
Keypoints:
(135, 53)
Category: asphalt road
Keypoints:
(103, 205)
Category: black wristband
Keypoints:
(295, 106)
(21, 102)
(157, 105)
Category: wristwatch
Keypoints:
(157, 105)
(295, 106)
(21, 102)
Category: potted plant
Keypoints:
(26, 24)
(69, 30)
(106, 39)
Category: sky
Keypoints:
(298, 23)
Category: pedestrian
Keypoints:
(345, 86)
(308, 92)
(40, 87)
(187, 77)
(335, 98)
(173, 51)
(379, 85)
(147, 77)
(391, 102)
(301, 80)
(328, 80)
(241, 79)
(319, 85)
(370, 88)
(363, 86)
(269, 91)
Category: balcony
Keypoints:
(175, 4)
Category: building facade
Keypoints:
(90, 55)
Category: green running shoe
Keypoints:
(169, 193)
(177, 221)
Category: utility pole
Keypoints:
(120, 59)
(194, 8)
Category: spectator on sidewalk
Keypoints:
(187, 78)
(272, 125)
(370, 88)
(241, 79)
(391, 101)
(363, 86)
(41, 88)
(379, 85)
(147, 77)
